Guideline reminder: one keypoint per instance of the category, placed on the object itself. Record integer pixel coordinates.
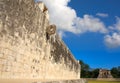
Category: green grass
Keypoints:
(103, 81)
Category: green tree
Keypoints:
(86, 71)
(115, 71)
(95, 73)
(84, 66)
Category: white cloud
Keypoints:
(112, 41)
(61, 34)
(91, 24)
(66, 19)
(61, 14)
(102, 14)
(116, 26)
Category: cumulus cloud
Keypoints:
(114, 39)
(90, 23)
(66, 19)
(61, 34)
(61, 15)
(117, 25)
(102, 14)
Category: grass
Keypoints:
(93, 81)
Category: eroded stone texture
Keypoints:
(27, 49)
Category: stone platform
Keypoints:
(41, 81)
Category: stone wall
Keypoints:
(66, 81)
(27, 49)
(41, 81)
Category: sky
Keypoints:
(90, 29)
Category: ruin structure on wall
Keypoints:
(29, 44)
(104, 73)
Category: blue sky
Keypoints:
(90, 47)
(92, 7)
(90, 28)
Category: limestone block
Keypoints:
(1, 25)
(6, 74)
(4, 62)
(1, 67)
(1, 55)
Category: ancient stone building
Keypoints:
(103, 73)
(30, 46)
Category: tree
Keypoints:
(84, 66)
(95, 73)
(86, 71)
(115, 71)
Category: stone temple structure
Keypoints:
(103, 73)
(30, 47)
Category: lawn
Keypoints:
(103, 82)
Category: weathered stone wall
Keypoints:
(27, 50)
(41, 81)
(66, 81)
